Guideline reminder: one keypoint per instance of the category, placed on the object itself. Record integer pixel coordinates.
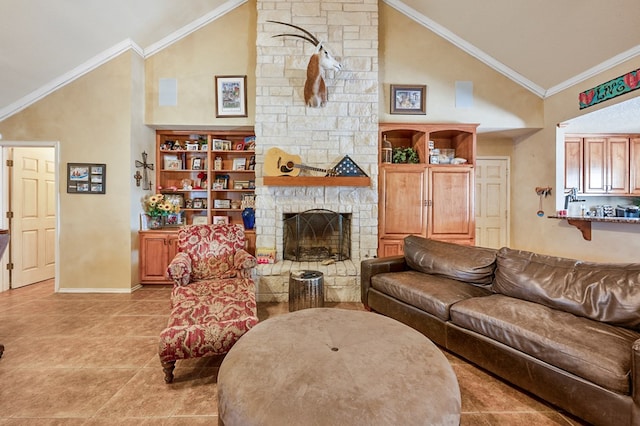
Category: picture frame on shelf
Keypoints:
(239, 146)
(172, 162)
(220, 220)
(196, 163)
(174, 219)
(239, 163)
(199, 220)
(408, 99)
(197, 203)
(86, 178)
(222, 204)
(218, 144)
(223, 180)
(231, 95)
(144, 222)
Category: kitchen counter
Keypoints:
(583, 223)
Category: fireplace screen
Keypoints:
(317, 235)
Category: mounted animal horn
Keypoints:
(315, 90)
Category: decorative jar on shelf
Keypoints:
(249, 218)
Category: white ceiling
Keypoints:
(545, 45)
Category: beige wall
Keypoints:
(92, 120)
(224, 47)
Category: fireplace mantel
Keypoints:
(316, 181)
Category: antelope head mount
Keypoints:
(315, 90)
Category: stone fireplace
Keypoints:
(347, 125)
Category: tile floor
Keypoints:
(91, 359)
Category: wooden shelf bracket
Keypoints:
(583, 225)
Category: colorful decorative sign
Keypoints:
(609, 90)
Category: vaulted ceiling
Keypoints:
(545, 45)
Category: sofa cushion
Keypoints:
(595, 351)
(600, 291)
(473, 265)
(430, 293)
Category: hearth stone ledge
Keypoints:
(341, 280)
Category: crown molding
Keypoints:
(592, 72)
(192, 27)
(466, 46)
(70, 76)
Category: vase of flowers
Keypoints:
(158, 208)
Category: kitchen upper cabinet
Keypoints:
(634, 165)
(602, 164)
(606, 165)
(573, 163)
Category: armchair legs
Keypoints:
(168, 367)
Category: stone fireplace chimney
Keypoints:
(347, 125)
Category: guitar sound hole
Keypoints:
(288, 168)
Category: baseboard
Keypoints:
(100, 290)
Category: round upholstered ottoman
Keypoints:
(324, 366)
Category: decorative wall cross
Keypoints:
(145, 166)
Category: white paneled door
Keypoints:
(492, 202)
(33, 204)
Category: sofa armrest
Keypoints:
(179, 270)
(244, 262)
(635, 378)
(242, 259)
(371, 267)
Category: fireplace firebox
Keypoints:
(317, 235)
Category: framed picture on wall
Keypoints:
(408, 99)
(86, 178)
(231, 96)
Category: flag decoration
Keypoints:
(348, 167)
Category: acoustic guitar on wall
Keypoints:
(280, 163)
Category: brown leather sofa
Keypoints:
(565, 330)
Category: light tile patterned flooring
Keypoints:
(91, 359)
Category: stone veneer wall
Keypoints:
(347, 125)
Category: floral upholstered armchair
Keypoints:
(213, 299)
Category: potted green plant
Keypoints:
(405, 155)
